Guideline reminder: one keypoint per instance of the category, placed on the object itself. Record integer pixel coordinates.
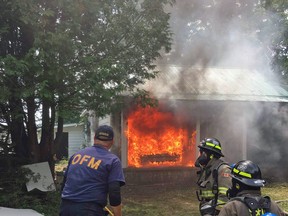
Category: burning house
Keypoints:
(242, 108)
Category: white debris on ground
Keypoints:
(17, 212)
(40, 180)
(43, 180)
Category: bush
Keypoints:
(14, 193)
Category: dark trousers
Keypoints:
(69, 208)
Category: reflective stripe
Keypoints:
(207, 194)
(222, 190)
(247, 175)
(220, 203)
(213, 145)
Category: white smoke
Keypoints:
(226, 34)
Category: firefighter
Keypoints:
(214, 177)
(245, 194)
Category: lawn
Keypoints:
(145, 200)
(156, 200)
(180, 200)
(152, 200)
(138, 200)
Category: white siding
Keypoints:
(105, 120)
(76, 138)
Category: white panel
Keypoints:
(44, 182)
(17, 212)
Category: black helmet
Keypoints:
(211, 144)
(248, 173)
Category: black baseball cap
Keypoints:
(104, 133)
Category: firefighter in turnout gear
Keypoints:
(245, 194)
(214, 177)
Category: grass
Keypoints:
(180, 200)
(279, 193)
(159, 200)
(145, 200)
(148, 200)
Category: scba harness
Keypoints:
(209, 198)
(257, 205)
(215, 189)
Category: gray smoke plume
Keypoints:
(219, 33)
(226, 34)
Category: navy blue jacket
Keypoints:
(88, 174)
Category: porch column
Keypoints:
(244, 137)
(198, 128)
(124, 143)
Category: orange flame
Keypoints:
(156, 139)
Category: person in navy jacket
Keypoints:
(93, 175)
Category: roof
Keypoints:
(216, 84)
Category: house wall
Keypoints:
(225, 121)
(76, 138)
(228, 124)
(247, 130)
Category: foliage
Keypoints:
(61, 165)
(45, 203)
(278, 11)
(61, 57)
(14, 193)
(40, 204)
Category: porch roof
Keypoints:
(216, 84)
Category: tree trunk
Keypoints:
(17, 129)
(57, 141)
(32, 130)
(52, 158)
(47, 136)
(45, 133)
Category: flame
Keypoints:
(156, 139)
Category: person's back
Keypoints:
(245, 194)
(239, 205)
(93, 174)
(91, 168)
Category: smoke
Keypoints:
(219, 33)
(268, 142)
(226, 34)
